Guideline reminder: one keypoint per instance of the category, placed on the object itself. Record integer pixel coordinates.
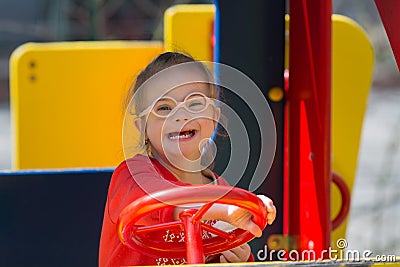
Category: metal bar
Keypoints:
(217, 231)
(309, 123)
(193, 237)
(199, 214)
(389, 11)
(158, 227)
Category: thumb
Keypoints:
(253, 228)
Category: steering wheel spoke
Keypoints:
(218, 232)
(144, 229)
(200, 213)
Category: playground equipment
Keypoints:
(66, 101)
(65, 115)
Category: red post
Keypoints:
(309, 124)
(389, 11)
(193, 237)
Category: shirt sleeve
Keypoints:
(133, 180)
(130, 181)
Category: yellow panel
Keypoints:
(352, 68)
(66, 101)
(189, 28)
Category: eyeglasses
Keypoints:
(166, 106)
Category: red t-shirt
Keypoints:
(132, 179)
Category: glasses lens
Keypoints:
(196, 103)
(164, 106)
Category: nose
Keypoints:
(181, 114)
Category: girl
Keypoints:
(176, 114)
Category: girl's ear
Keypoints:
(138, 124)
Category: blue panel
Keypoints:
(52, 218)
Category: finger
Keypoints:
(271, 209)
(222, 259)
(237, 254)
(271, 216)
(269, 204)
(244, 246)
(239, 250)
(243, 252)
(230, 256)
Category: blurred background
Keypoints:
(375, 211)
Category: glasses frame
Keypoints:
(179, 104)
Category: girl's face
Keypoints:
(179, 134)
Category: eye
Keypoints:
(163, 110)
(196, 102)
(163, 107)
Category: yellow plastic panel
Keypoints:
(352, 68)
(66, 101)
(189, 28)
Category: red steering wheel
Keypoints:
(194, 246)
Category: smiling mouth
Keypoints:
(181, 135)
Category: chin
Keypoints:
(182, 155)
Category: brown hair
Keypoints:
(162, 62)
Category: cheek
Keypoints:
(207, 128)
(154, 130)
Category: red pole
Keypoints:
(389, 11)
(193, 237)
(309, 124)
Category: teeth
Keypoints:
(181, 135)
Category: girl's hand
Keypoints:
(238, 254)
(243, 219)
(271, 209)
(239, 217)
